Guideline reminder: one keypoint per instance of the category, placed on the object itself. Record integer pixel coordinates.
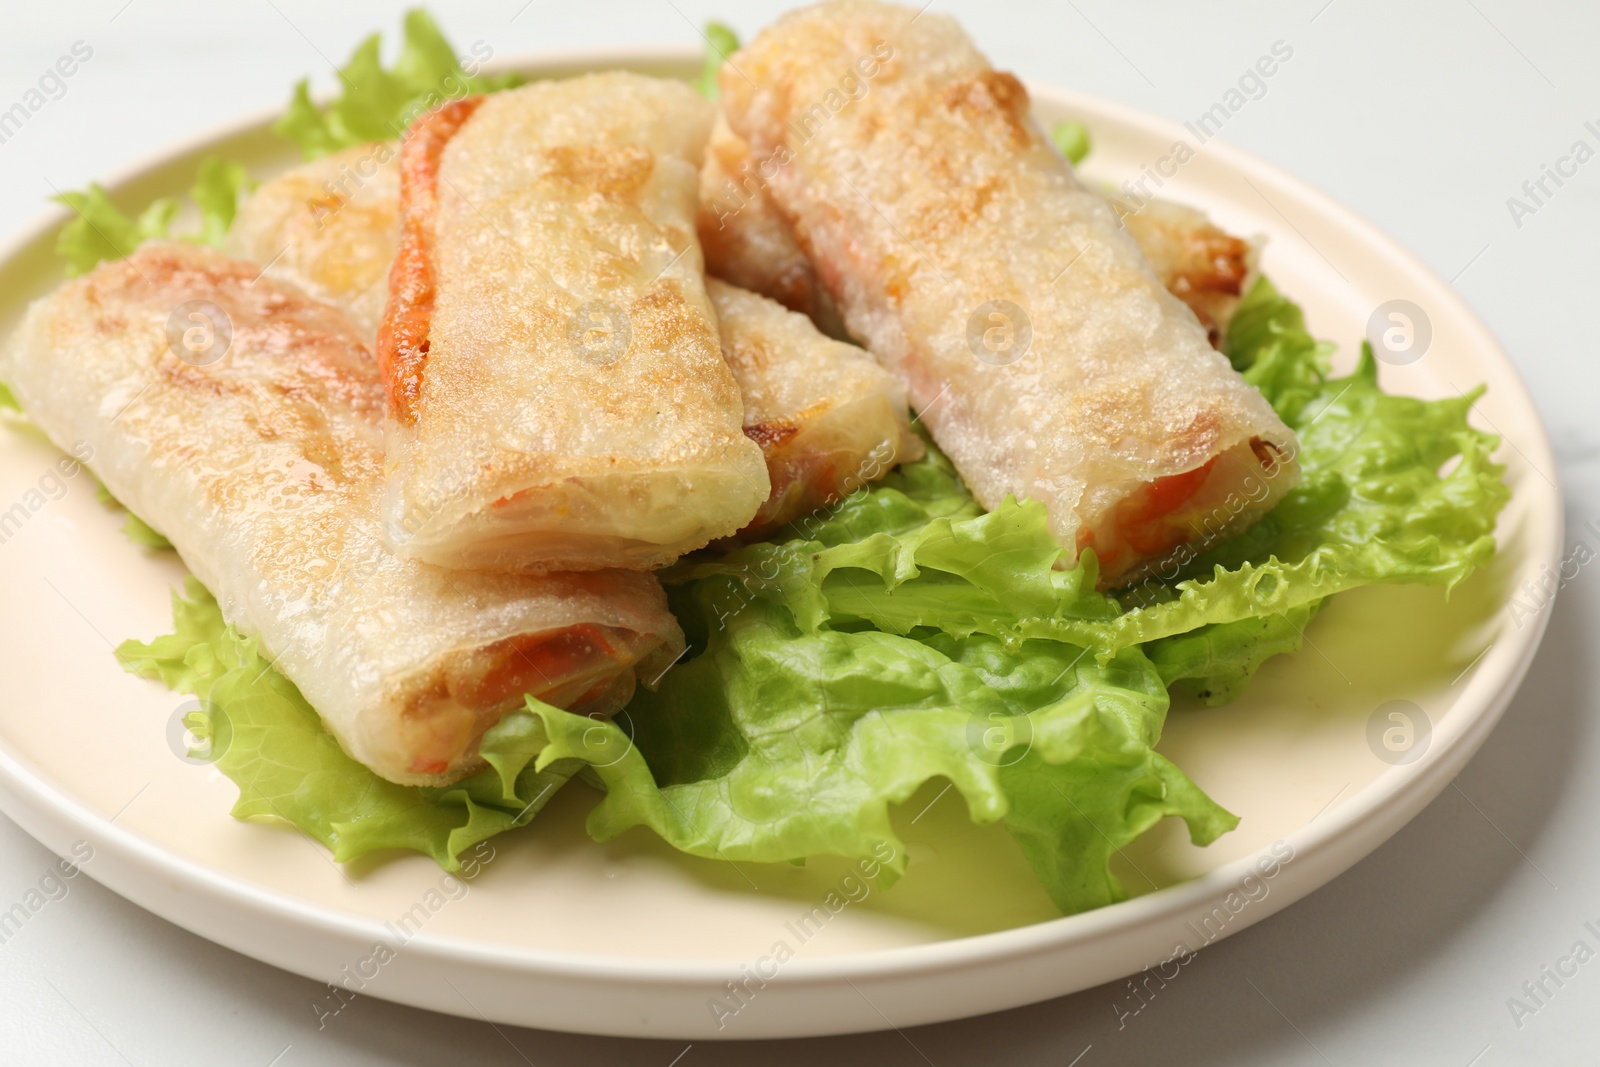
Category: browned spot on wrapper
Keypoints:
(1211, 277)
(771, 434)
(1266, 452)
(609, 170)
(992, 94)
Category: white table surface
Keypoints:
(1425, 120)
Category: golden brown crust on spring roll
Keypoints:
(747, 240)
(558, 398)
(243, 420)
(1196, 261)
(330, 228)
(750, 243)
(827, 417)
(1040, 348)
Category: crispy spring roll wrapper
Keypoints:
(557, 397)
(924, 194)
(264, 467)
(749, 242)
(330, 227)
(827, 417)
(1197, 262)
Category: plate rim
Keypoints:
(32, 799)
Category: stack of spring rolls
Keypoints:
(426, 433)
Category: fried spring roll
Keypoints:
(1039, 346)
(826, 416)
(748, 242)
(243, 421)
(330, 227)
(557, 397)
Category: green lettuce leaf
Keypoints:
(142, 533)
(1214, 663)
(102, 231)
(779, 744)
(876, 649)
(216, 192)
(378, 103)
(133, 527)
(269, 741)
(721, 42)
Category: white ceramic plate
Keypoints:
(630, 938)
